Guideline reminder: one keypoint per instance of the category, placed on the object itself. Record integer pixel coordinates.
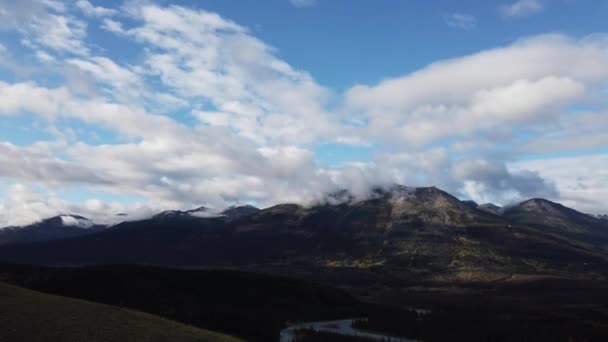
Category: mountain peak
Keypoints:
(542, 212)
(491, 208)
(430, 205)
(235, 212)
(471, 203)
(542, 205)
(53, 228)
(200, 212)
(538, 201)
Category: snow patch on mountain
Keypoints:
(75, 221)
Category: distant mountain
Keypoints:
(236, 212)
(200, 212)
(487, 207)
(403, 232)
(471, 203)
(557, 219)
(54, 228)
(491, 208)
(229, 214)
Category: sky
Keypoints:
(138, 106)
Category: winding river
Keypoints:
(342, 327)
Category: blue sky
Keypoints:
(343, 42)
(139, 106)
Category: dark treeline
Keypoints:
(483, 325)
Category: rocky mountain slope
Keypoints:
(555, 219)
(404, 234)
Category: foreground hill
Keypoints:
(27, 315)
(253, 306)
(400, 234)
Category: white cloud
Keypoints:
(14, 13)
(95, 11)
(522, 8)
(44, 57)
(514, 86)
(303, 3)
(45, 24)
(53, 103)
(59, 33)
(23, 204)
(205, 58)
(582, 181)
(487, 181)
(68, 220)
(37, 164)
(577, 131)
(461, 21)
(112, 26)
(27, 97)
(523, 98)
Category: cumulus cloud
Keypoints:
(522, 8)
(95, 11)
(35, 163)
(507, 85)
(221, 63)
(488, 181)
(112, 26)
(44, 24)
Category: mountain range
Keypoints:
(404, 234)
(54, 228)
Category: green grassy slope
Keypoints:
(27, 315)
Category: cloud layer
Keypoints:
(208, 114)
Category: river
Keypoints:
(342, 327)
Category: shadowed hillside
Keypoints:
(31, 316)
(253, 306)
(400, 234)
(558, 220)
(54, 228)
